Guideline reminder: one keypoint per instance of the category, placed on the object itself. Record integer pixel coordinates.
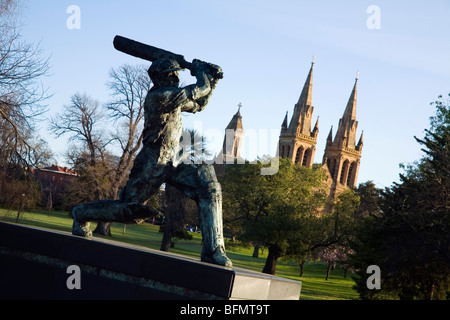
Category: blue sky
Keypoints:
(265, 49)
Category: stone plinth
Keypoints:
(34, 265)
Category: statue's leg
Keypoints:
(199, 182)
(107, 211)
(145, 180)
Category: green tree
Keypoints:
(409, 240)
(272, 209)
(370, 199)
(343, 216)
(323, 233)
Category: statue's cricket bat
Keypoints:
(150, 53)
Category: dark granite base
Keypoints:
(34, 262)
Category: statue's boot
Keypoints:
(210, 211)
(218, 257)
(80, 227)
(107, 211)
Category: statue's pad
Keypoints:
(34, 265)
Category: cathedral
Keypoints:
(298, 138)
(342, 154)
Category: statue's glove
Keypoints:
(213, 71)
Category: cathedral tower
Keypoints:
(342, 155)
(232, 141)
(298, 140)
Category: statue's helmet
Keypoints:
(163, 66)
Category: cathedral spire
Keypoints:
(285, 122)
(234, 133)
(346, 132)
(301, 118)
(236, 121)
(330, 135)
(306, 95)
(342, 155)
(315, 131)
(298, 140)
(360, 142)
(316, 126)
(350, 110)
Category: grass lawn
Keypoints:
(314, 285)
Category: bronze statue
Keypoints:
(156, 162)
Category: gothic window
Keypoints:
(351, 173)
(299, 154)
(282, 151)
(306, 157)
(344, 172)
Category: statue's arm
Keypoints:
(194, 97)
(198, 94)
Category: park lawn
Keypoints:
(314, 285)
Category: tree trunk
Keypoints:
(20, 209)
(175, 213)
(328, 270)
(103, 228)
(255, 251)
(18, 215)
(167, 235)
(301, 268)
(271, 261)
(50, 200)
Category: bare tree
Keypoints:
(93, 181)
(22, 98)
(81, 121)
(129, 86)
(21, 68)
